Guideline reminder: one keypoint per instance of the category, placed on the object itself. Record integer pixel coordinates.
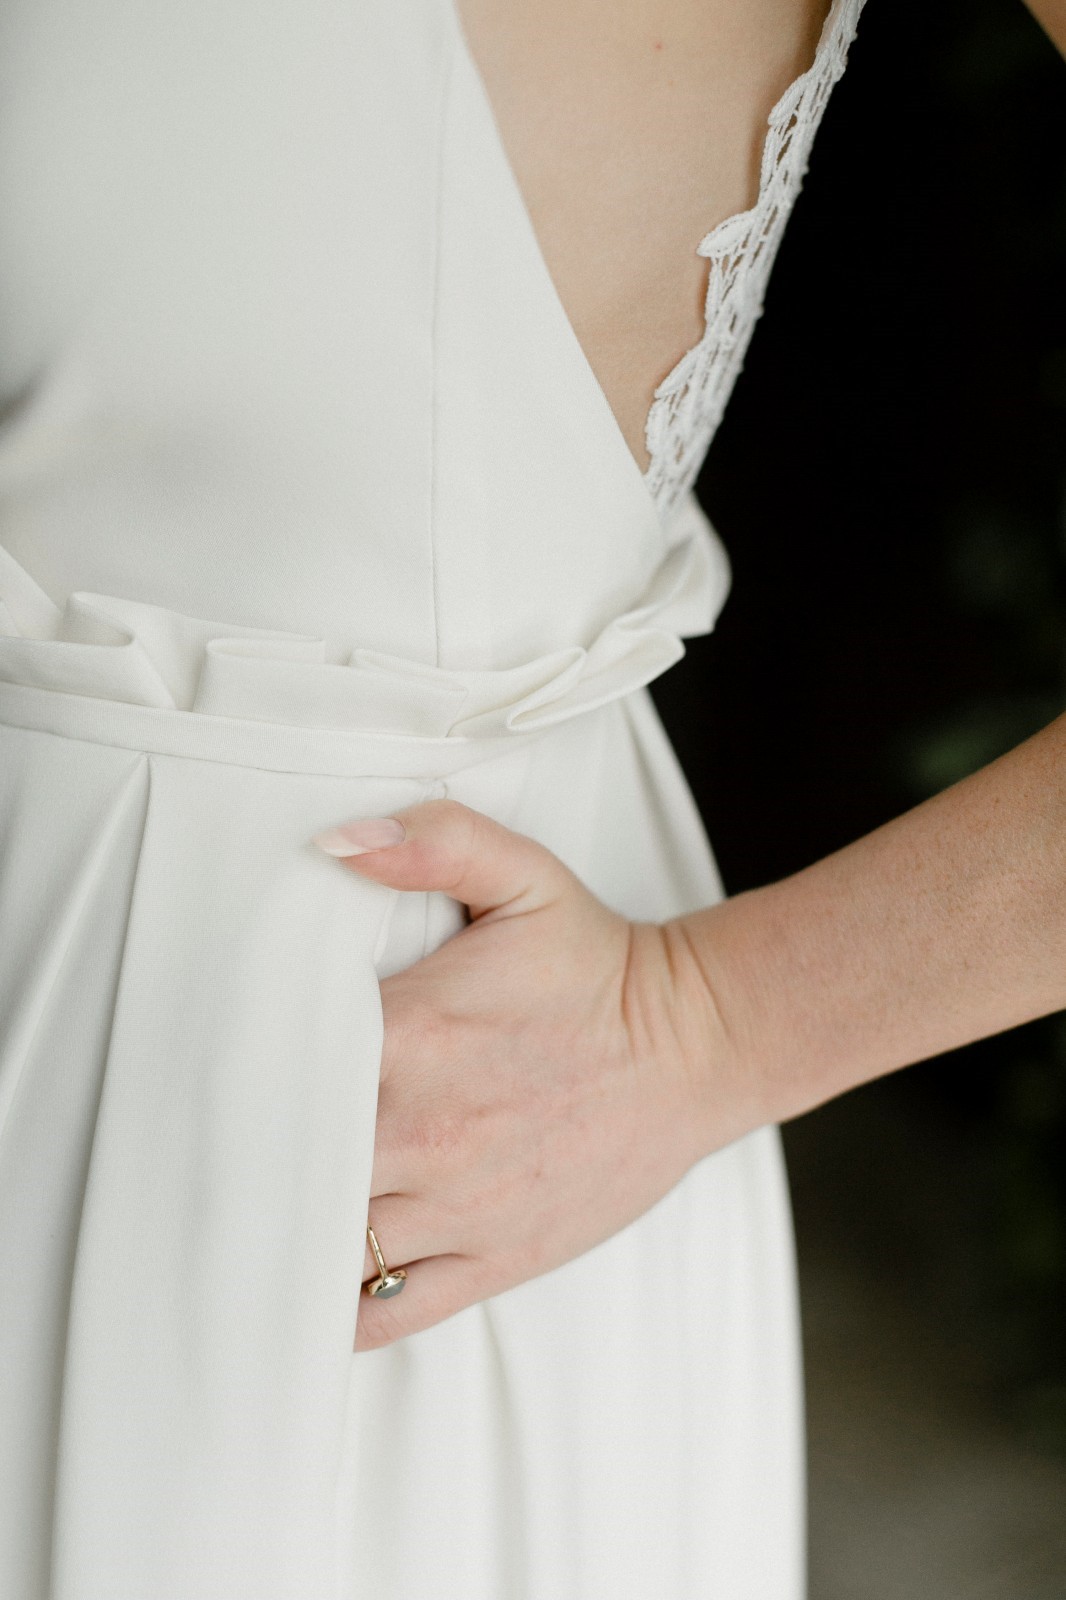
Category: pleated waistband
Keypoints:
(125, 672)
(234, 741)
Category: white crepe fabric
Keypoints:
(311, 507)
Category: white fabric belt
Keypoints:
(122, 672)
(272, 747)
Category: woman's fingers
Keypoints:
(406, 1230)
(450, 847)
(530, 1097)
(436, 1287)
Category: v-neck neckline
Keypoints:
(612, 431)
(830, 27)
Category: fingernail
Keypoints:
(356, 838)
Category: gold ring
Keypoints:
(387, 1283)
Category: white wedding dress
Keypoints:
(310, 507)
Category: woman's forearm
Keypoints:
(1051, 15)
(944, 926)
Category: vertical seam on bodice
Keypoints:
(447, 80)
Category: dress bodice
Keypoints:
(277, 342)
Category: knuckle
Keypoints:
(439, 1136)
(408, 1018)
(464, 840)
(452, 820)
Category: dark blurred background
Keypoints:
(891, 485)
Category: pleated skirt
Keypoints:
(189, 1057)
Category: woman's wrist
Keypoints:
(712, 1026)
(739, 973)
(941, 927)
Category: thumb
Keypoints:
(441, 844)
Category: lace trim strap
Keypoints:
(688, 404)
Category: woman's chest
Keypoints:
(633, 127)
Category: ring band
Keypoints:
(386, 1283)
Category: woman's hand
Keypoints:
(547, 1075)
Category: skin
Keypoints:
(633, 1050)
(1051, 15)
(573, 1127)
(595, 100)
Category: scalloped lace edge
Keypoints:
(689, 402)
